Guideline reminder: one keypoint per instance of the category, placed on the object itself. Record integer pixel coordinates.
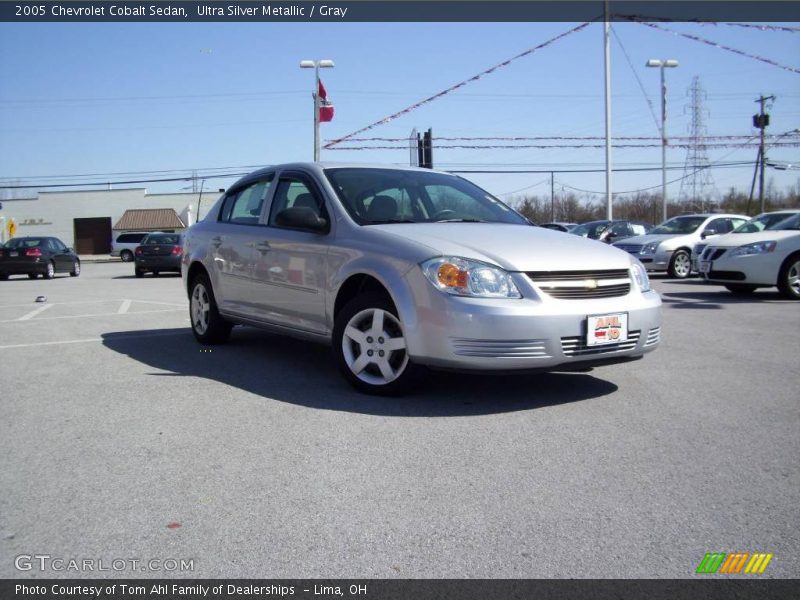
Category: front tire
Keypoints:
(370, 347)
(51, 271)
(126, 256)
(789, 277)
(680, 266)
(76, 269)
(208, 326)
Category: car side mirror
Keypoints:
(708, 232)
(301, 217)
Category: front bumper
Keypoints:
(534, 332)
(755, 269)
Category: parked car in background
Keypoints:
(158, 253)
(754, 225)
(668, 247)
(743, 262)
(403, 268)
(34, 256)
(559, 226)
(611, 231)
(124, 244)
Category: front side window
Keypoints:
(679, 225)
(790, 223)
(374, 196)
(294, 193)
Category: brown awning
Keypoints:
(149, 219)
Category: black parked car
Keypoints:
(159, 252)
(34, 256)
(611, 231)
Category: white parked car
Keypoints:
(746, 261)
(123, 244)
(668, 247)
(754, 225)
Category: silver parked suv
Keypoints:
(400, 269)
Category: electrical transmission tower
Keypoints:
(697, 183)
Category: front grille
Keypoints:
(576, 346)
(632, 248)
(580, 285)
(728, 275)
(500, 348)
(653, 337)
(712, 253)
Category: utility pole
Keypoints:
(552, 198)
(607, 83)
(761, 120)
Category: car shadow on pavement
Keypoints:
(150, 276)
(304, 374)
(707, 297)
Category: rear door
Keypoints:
(233, 245)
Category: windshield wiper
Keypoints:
(384, 221)
(459, 221)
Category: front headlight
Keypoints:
(650, 248)
(754, 248)
(639, 275)
(465, 277)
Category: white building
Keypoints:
(83, 219)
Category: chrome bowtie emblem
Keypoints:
(590, 284)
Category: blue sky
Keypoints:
(105, 98)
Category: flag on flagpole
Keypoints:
(325, 105)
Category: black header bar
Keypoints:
(355, 11)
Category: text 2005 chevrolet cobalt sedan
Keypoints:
(400, 269)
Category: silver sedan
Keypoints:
(400, 269)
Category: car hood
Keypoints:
(646, 239)
(512, 247)
(734, 240)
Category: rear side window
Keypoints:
(244, 207)
(130, 238)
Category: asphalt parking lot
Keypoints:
(122, 438)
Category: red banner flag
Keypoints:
(325, 105)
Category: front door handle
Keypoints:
(216, 241)
(263, 247)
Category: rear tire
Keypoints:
(370, 347)
(155, 273)
(208, 326)
(680, 266)
(51, 271)
(33, 275)
(3, 276)
(126, 256)
(138, 272)
(789, 277)
(740, 289)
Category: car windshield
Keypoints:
(374, 196)
(792, 222)
(592, 230)
(162, 239)
(24, 243)
(761, 223)
(679, 225)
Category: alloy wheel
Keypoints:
(374, 347)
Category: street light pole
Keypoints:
(316, 65)
(661, 64)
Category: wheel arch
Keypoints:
(195, 269)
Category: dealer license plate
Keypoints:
(13, 253)
(606, 329)
(705, 266)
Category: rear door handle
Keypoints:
(263, 247)
(216, 241)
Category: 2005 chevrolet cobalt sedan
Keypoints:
(401, 269)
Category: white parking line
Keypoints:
(126, 304)
(114, 314)
(35, 312)
(87, 340)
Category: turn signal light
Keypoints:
(451, 276)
